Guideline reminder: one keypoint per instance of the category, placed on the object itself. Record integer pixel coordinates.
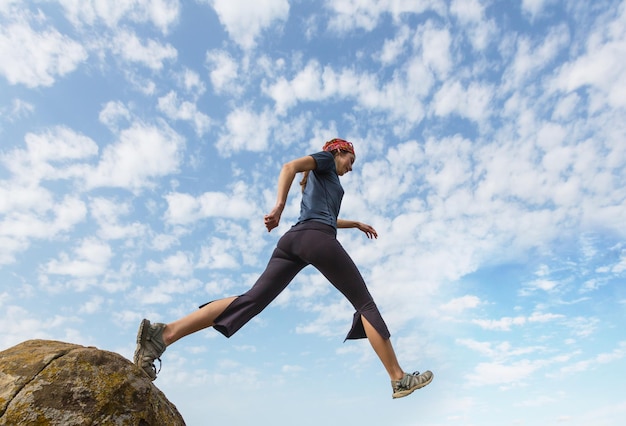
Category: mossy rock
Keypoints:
(45, 382)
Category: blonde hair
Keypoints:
(305, 178)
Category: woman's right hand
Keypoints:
(272, 219)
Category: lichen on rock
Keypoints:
(47, 382)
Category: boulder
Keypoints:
(45, 382)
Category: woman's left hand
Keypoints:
(367, 229)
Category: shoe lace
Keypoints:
(154, 366)
(406, 380)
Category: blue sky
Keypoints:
(141, 143)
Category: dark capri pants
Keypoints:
(308, 243)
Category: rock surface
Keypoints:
(45, 382)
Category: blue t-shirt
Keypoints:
(321, 199)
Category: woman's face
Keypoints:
(343, 162)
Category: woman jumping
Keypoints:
(311, 241)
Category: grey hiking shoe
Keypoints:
(150, 346)
(410, 382)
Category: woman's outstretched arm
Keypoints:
(363, 227)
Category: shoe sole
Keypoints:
(141, 339)
(408, 392)
(142, 336)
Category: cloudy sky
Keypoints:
(140, 146)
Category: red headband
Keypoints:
(339, 144)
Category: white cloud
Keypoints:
(107, 214)
(192, 83)
(152, 53)
(542, 284)
(89, 259)
(502, 324)
(9, 246)
(151, 296)
(539, 401)
(245, 20)
(184, 110)
(331, 323)
(30, 210)
(534, 7)
(8, 6)
(19, 109)
(4, 297)
(499, 352)
(50, 155)
(380, 175)
(19, 322)
(282, 94)
(493, 373)
(307, 288)
(218, 255)
(223, 71)
(312, 83)
(582, 326)
(220, 287)
(291, 369)
(505, 323)
(620, 266)
(17, 228)
(593, 363)
(447, 164)
(179, 264)
(566, 106)
(467, 11)
(246, 130)
(472, 101)
(544, 317)
(185, 209)
(142, 153)
(504, 369)
(600, 66)
(400, 96)
(347, 15)
(161, 13)
(436, 44)
(460, 304)
(471, 15)
(114, 114)
(165, 289)
(92, 306)
(393, 48)
(532, 56)
(17, 198)
(36, 58)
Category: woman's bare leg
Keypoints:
(195, 321)
(205, 317)
(384, 350)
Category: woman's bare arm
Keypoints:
(363, 227)
(285, 179)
